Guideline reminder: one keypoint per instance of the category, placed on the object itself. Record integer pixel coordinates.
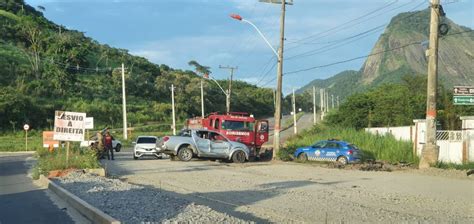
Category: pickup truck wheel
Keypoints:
(118, 147)
(185, 154)
(238, 157)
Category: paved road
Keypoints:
(305, 122)
(21, 201)
(303, 193)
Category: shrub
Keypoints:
(79, 158)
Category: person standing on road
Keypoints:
(108, 145)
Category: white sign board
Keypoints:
(26, 127)
(69, 126)
(89, 123)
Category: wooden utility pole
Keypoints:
(430, 152)
(173, 110)
(276, 134)
(229, 90)
(124, 104)
(314, 105)
(295, 129)
(202, 99)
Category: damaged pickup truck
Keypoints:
(191, 143)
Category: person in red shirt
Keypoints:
(108, 145)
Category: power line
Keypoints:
(334, 46)
(352, 59)
(355, 19)
(365, 56)
(361, 35)
(268, 72)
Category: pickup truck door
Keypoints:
(220, 146)
(202, 144)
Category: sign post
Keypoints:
(69, 126)
(26, 127)
(463, 95)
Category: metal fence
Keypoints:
(449, 136)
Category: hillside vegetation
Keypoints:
(45, 67)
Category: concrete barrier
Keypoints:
(90, 212)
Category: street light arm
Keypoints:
(210, 77)
(261, 34)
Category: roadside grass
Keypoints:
(464, 166)
(14, 142)
(79, 158)
(377, 147)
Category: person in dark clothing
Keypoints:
(108, 145)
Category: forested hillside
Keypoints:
(46, 67)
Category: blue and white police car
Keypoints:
(329, 150)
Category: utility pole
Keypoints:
(321, 102)
(430, 152)
(229, 90)
(124, 104)
(314, 105)
(202, 99)
(294, 113)
(326, 106)
(276, 134)
(173, 110)
(337, 102)
(332, 101)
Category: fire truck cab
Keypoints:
(237, 126)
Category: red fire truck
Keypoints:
(237, 126)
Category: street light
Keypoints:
(226, 93)
(238, 17)
(279, 54)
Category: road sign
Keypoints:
(48, 140)
(69, 126)
(89, 123)
(463, 100)
(463, 90)
(26, 127)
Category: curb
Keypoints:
(89, 211)
(17, 152)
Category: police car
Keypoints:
(329, 150)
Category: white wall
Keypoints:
(401, 133)
(450, 151)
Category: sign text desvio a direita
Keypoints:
(69, 126)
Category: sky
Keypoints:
(174, 32)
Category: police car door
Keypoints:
(202, 143)
(330, 151)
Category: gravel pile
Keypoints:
(137, 204)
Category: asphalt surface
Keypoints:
(21, 201)
(305, 122)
